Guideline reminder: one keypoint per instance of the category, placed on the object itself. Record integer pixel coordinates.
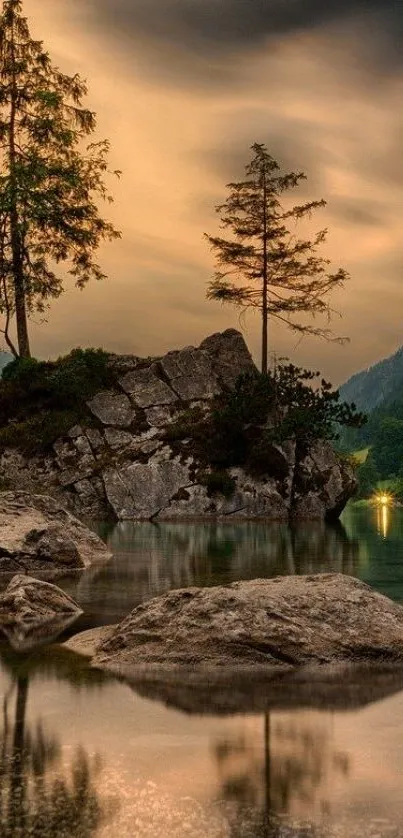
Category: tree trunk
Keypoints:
(265, 346)
(16, 243)
(21, 311)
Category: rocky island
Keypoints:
(126, 458)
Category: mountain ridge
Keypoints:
(377, 385)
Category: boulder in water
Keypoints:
(37, 533)
(266, 625)
(34, 612)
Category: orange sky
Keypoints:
(182, 90)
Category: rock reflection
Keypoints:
(40, 795)
(289, 772)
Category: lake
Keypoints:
(85, 756)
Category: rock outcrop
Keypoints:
(34, 612)
(263, 626)
(37, 533)
(123, 463)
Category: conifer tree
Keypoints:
(264, 265)
(51, 179)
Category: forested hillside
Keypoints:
(377, 384)
(379, 392)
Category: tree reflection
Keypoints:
(41, 796)
(288, 777)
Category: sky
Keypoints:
(182, 88)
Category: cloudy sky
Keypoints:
(182, 88)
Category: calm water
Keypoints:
(84, 756)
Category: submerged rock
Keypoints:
(259, 627)
(36, 532)
(33, 612)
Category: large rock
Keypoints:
(32, 612)
(324, 481)
(261, 626)
(36, 532)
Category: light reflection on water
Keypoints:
(83, 755)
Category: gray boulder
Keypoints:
(112, 409)
(259, 627)
(33, 612)
(36, 532)
(324, 482)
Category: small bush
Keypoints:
(41, 400)
(36, 435)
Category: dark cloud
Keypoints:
(221, 23)
(204, 41)
(356, 212)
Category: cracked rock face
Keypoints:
(126, 466)
(140, 491)
(278, 624)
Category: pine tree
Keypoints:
(51, 180)
(264, 265)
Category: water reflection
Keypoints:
(383, 516)
(150, 559)
(291, 771)
(380, 536)
(40, 795)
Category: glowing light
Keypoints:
(383, 499)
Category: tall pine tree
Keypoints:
(264, 265)
(51, 179)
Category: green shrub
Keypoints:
(36, 435)
(41, 400)
(248, 422)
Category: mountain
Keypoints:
(377, 385)
(5, 359)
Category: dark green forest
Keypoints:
(379, 443)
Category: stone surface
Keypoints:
(264, 626)
(252, 499)
(324, 482)
(140, 490)
(36, 531)
(118, 439)
(190, 373)
(159, 416)
(112, 409)
(95, 439)
(32, 611)
(229, 355)
(146, 389)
